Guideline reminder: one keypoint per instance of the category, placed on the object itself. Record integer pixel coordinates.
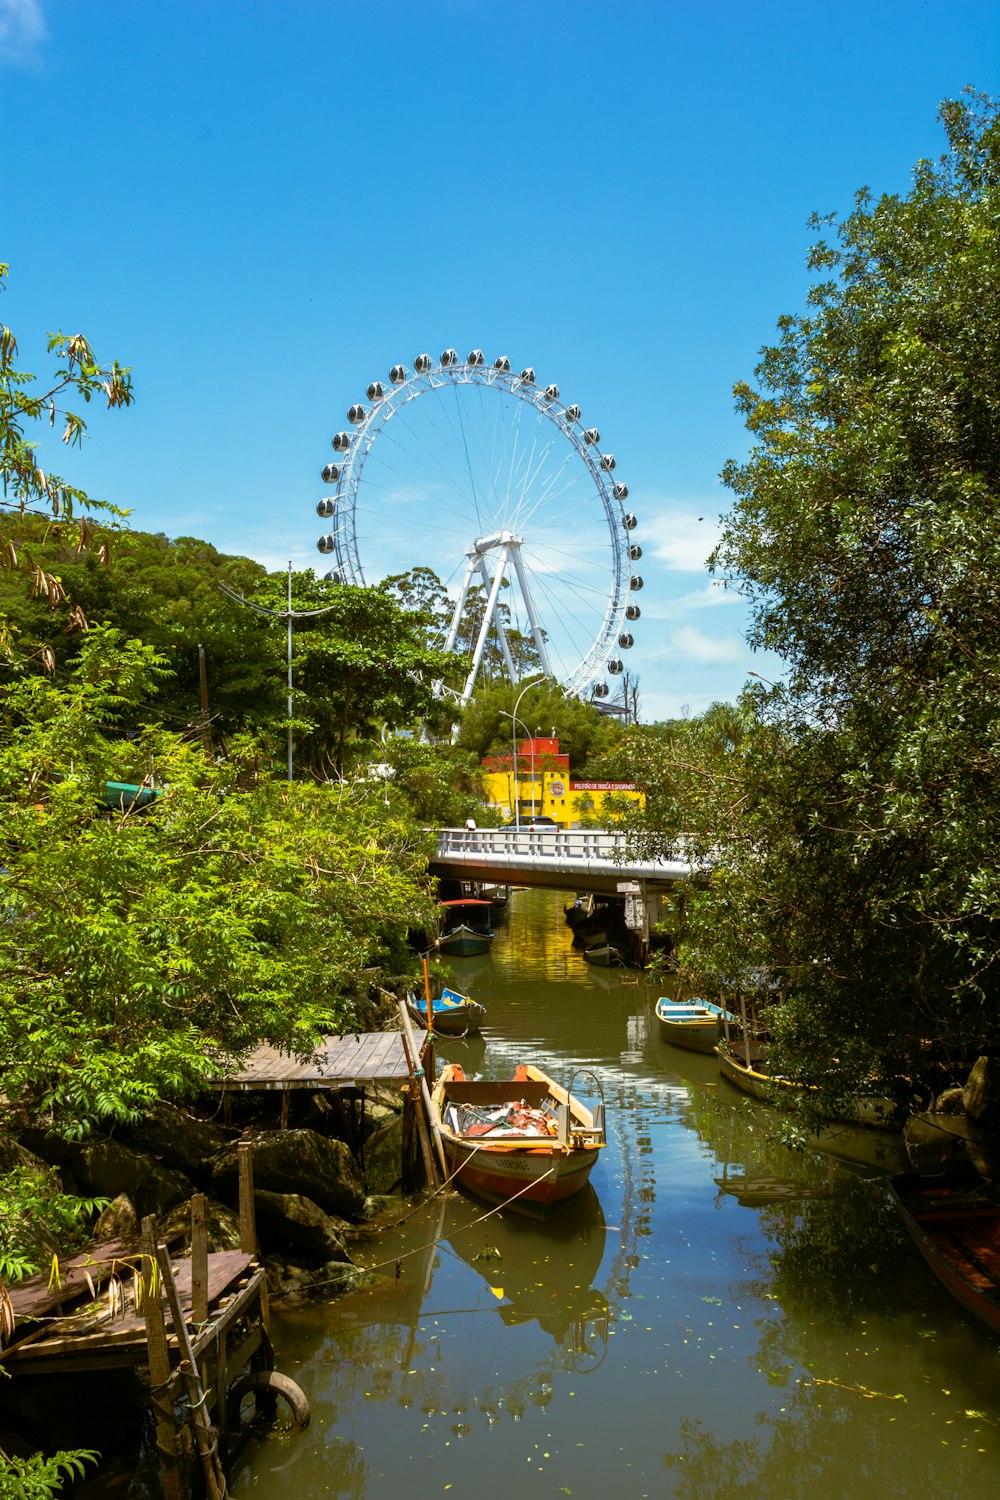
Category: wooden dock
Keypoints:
(196, 1328)
(373, 1058)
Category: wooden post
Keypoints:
(215, 1483)
(206, 732)
(407, 1150)
(427, 995)
(199, 1260)
(430, 1171)
(746, 1033)
(248, 1225)
(159, 1367)
(424, 1090)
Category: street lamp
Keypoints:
(514, 721)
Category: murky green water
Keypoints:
(717, 1318)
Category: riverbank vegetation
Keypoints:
(850, 811)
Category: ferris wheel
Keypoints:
(492, 481)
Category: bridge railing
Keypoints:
(582, 847)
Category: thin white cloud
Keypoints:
(697, 646)
(655, 705)
(681, 535)
(710, 596)
(22, 27)
(690, 644)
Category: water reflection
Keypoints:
(718, 1317)
(546, 1274)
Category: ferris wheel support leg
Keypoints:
(498, 622)
(463, 593)
(536, 629)
(452, 635)
(484, 631)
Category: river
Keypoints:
(717, 1316)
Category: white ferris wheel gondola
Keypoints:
(473, 470)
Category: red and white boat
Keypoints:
(954, 1221)
(524, 1142)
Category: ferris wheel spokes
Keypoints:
(489, 454)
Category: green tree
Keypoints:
(166, 593)
(25, 487)
(583, 732)
(360, 663)
(422, 589)
(857, 816)
(440, 783)
(139, 948)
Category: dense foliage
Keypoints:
(851, 812)
(544, 710)
(140, 946)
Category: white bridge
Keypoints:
(562, 859)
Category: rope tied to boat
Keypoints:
(397, 1260)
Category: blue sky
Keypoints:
(261, 206)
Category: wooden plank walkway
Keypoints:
(90, 1327)
(36, 1298)
(342, 1062)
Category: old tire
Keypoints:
(264, 1386)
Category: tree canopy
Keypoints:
(140, 947)
(851, 811)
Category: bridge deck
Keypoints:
(562, 859)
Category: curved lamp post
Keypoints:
(514, 721)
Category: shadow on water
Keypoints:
(716, 1317)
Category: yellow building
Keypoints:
(542, 785)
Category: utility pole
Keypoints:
(288, 614)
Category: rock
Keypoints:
(984, 1153)
(384, 1157)
(109, 1169)
(301, 1162)
(180, 1140)
(222, 1226)
(291, 1283)
(378, 1115)
(51, 1148)
(119, 1221)
(936, 1141)
(292, 1225)
(14, 1157)
(981, 1095)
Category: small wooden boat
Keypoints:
(452, 1014)
(525, 1141)
(696, 1024)
(465, 927)
(605, 954)
(954, 1221)
(747, 1069)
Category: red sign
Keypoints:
(602, 786)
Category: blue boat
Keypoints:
(452, 1014)
(696, 1024)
